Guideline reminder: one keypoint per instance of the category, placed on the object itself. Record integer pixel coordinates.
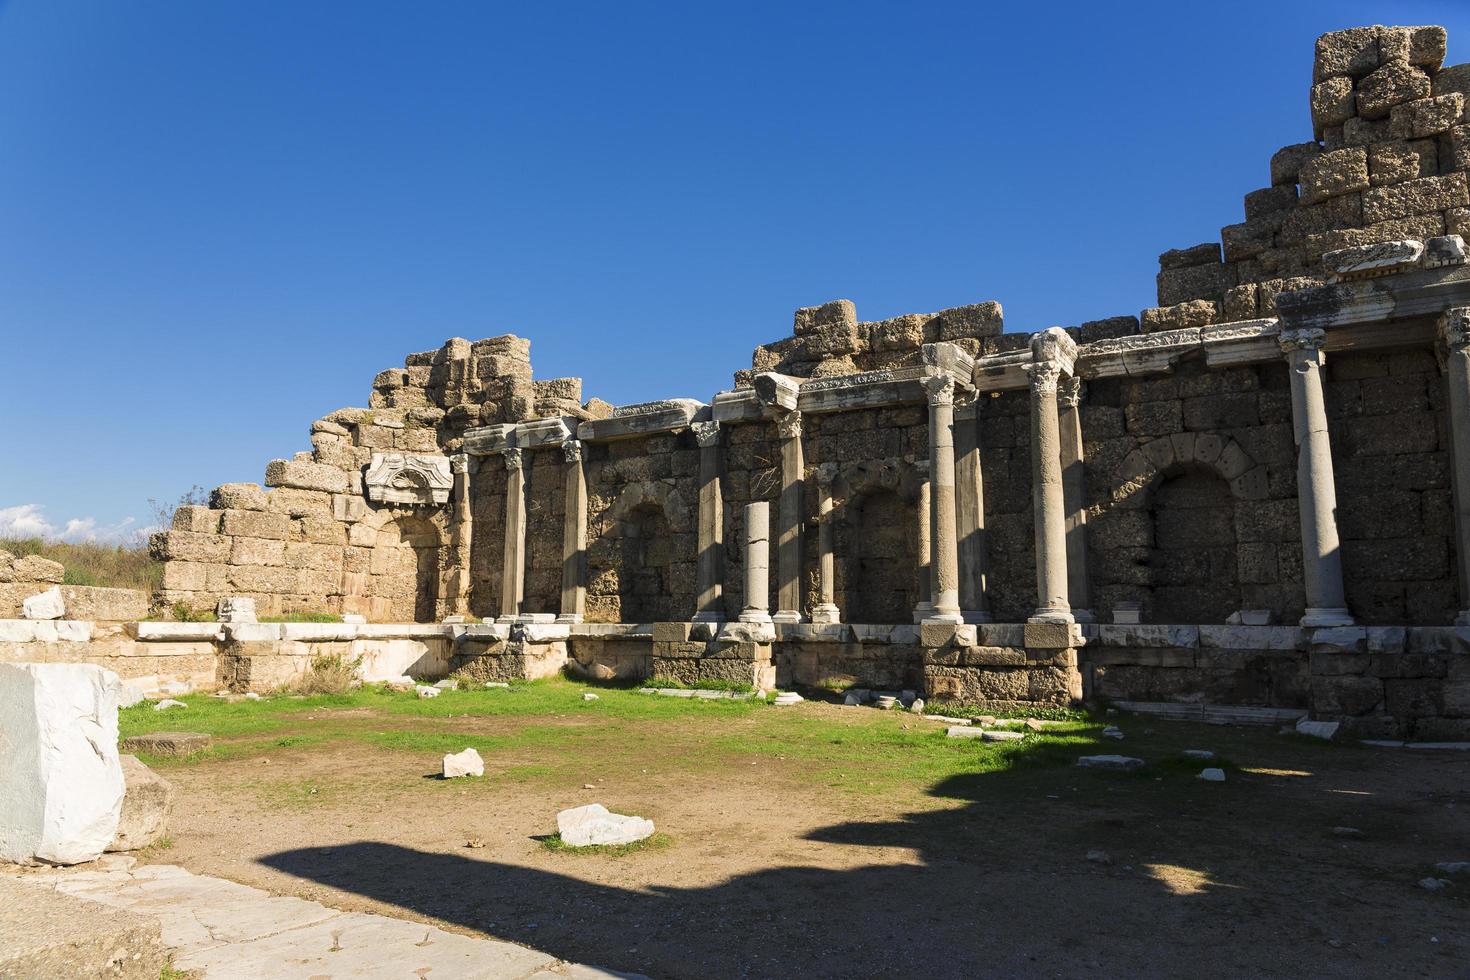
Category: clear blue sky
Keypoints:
(219, 220)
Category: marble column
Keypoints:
(1074, 496)
(789, 540)
(574, 536)
(1316, 489)
(826, 610)
(924, 512)
(461, 533)
(970, 513)
(1048, 503)
(944, 553)
(513, 563)
(757, 563)
(710, 567)
(1454, 331)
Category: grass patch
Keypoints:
(710, 685)
(113, 566)
(303, 616)
(654, 842)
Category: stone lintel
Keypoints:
(489, 439)
(648, 418)
(777, 391)
(543, 432)
(740, 405)
(1419, 292)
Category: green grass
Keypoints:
(655, 842)
(113, 566)
(303, 616)
(710, 685)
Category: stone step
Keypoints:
(44, 933)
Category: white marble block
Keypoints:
(61, 784)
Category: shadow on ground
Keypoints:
(1247, 882)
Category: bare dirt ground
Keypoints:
(780, 867)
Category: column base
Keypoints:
(923, 611)
(1052, 614)
(755, 616)
(786, 616)
(1327, 617)
(944, 617)
(571, 619)
(826, 613)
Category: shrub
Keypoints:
(330, 674)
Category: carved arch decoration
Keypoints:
(1141, 469)
(400, 478)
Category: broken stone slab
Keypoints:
(594, 825)
(1113, 732)
(168, 703)
(1379, 259)
(235, 609)
(917, 706)
(47, 933)
(147, 801)
(1122, 763)
(589, 696)
(963, 731)
(1212, 775)
(1433, 884)
(1318, 729)
(1453, 867)
(45, 605)
(1198, 754)
(643, 419)
(424, 691)
(885, 702)
(497, 684)
(447, 684)
(466, 763)
(1250, 617)
(990, 735)
(169, 744)
(1444, 250)
(61, 785)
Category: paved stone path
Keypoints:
(229, 931)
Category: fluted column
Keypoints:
(1315, 486)
(944, 555)
(924, 512)
(788, 543)
(1050, 512)
(826, 610)
(513, 565)
(757, 563)
(461, 533)
(1454, 331)
(710, 566)
(1074, 496)
(574, 536)
(970, 514)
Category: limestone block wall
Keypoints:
(25, 576)
(1005, 458)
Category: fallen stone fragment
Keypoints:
(251, 696)
(474, 842)
(593, 824)
(1318, 729)
(917, 707)
(788, 698)
(166, 743)
(1033, 725)
(466, 763)
(496, 684)
(427, 692)
(447, 684)
(147, 801)
(1433, 884)
(949, 720)
(1001, 736)
(1099, 857)
(403, 683)
(167, 703)
(1199, 754)
(1212, 775)
(1346, 832)
(1453, 867)
(46, 605)
(964, 731)
(1113, 732)
(1114, 762)
(851, 699)
(130, 693)
(589, 696)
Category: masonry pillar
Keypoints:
(944, 557)
(757, 563)
(460, 536)
(1316, 489)
(1074, 497)
(574, 537)
(513, 567)
(788, 543)
(970, 514)
(1046, 496)
(1454, 331)
(826, 610)
(710, 568)
(924, 608)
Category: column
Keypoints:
(710, 569)
(1074, 496)
(461, 533)
(970, 514)
(826, 610)
(513, 565)
(757, 563)
(1316, 490)
(574, 537)
(788, 544)
(944, 554)
(925, 606)
(1454, 330)
(1046, 496)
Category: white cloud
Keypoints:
(29, 521)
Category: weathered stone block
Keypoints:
(1334, 174)
(1332, 103)
(1393, 84)
(1286, 163)
(255, 524)
(305, 476)
(238, 496)
(1190, 283)
(1426, 117)
(1352, 53)
(1181, 316)
(188, 546)
(200, 520)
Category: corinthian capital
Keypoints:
(789, 425)
(512, 459)
(571, 451)
(1069, 392)
(706, 433)
(1454, 328)
(1045, 376)
(459, 463)
(1302, 338)
(940, 388)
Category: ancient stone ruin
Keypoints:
(1252, 501)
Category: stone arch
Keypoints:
(654, 543)
(1151, 462)
(405, 580)
(877, 541)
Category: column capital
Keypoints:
(940, 388)
(1045, 376)
(825, 474)
(512, 459)
(1302, 339)
(789, 425)
(1454, 328)
(459, 463)
(1070, 392)
(571, 451)
(707, 434)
